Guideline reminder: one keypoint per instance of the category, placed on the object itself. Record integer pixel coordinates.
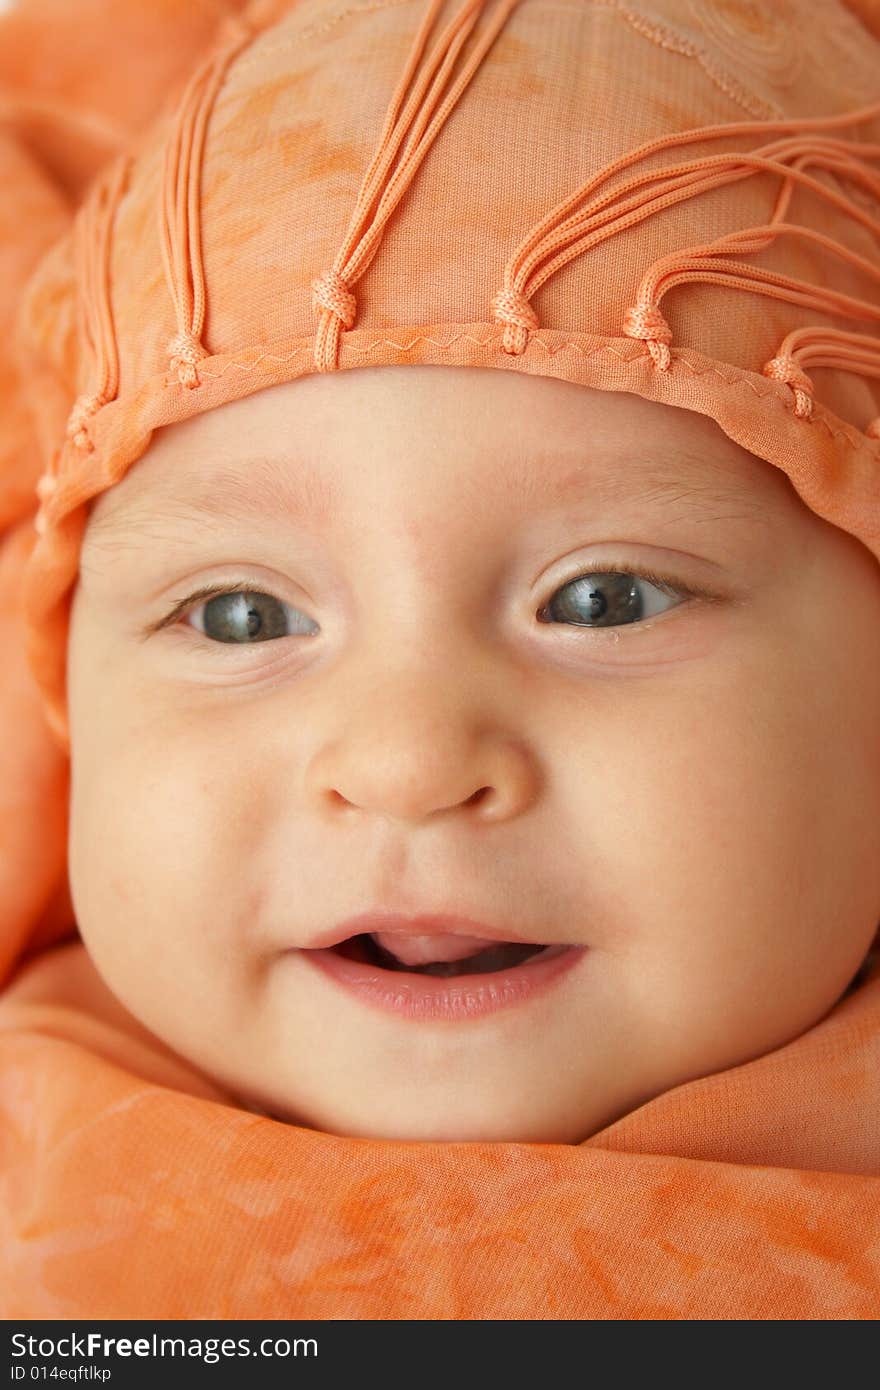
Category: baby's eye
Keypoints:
(607, 598)
(249, 615)
(599, 598)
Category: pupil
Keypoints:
(598, 604)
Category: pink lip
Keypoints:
(428, 924)
(434, 998)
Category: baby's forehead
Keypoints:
(351, 445)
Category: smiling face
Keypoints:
(428, 710)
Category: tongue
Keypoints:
(425, 950)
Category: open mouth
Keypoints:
(505, 956)
(391, 972)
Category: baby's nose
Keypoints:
(411, 777)
(409, 749)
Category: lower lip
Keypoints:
(431, 998)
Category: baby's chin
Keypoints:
(461, 1123)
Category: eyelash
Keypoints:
(662, 582)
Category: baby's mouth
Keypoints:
(504, 956)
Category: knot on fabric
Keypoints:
(331, 292)
(512, 308)
(645, 321)
(185, 351)
(872, 429)
(83, 409)
(786, 370)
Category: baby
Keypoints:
(567, 667)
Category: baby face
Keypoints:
(444, 678)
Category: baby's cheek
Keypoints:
(125, 861)
(167, 832)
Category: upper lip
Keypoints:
(426, 924)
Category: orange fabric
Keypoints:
(294, 187)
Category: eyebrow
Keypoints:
(683, 478)
(229, 492)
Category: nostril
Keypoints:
(478, 796)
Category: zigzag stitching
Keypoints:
(852, 436)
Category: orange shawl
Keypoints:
(133, 296)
